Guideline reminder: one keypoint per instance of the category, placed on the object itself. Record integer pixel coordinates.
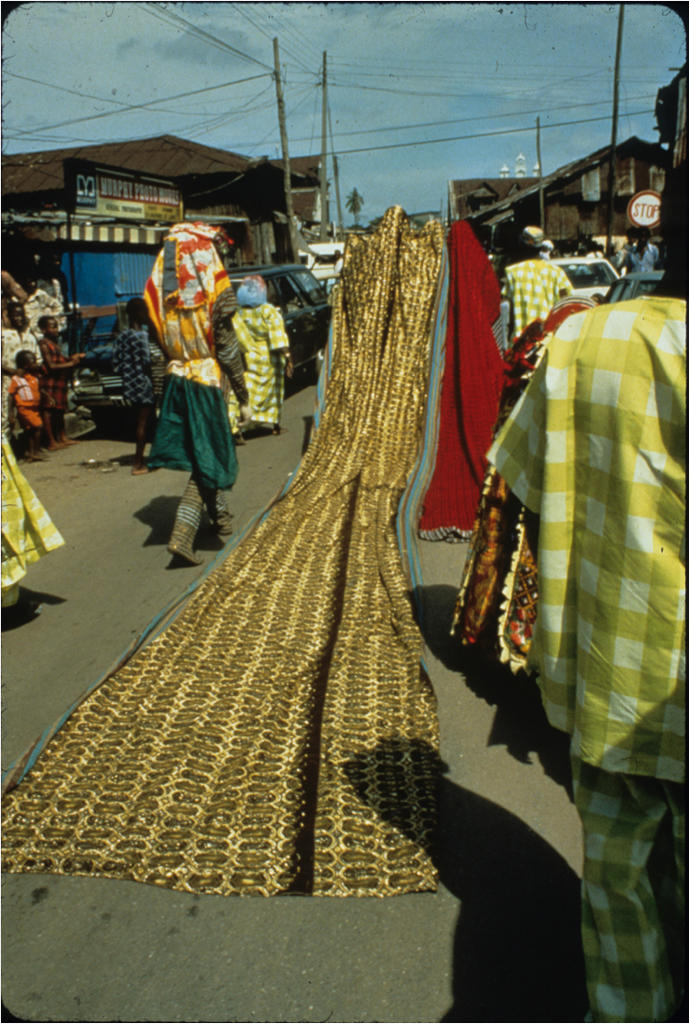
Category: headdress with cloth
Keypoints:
(186, 280)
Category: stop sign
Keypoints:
(643, 209)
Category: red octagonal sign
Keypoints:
(643, 209)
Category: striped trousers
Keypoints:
(190, 509)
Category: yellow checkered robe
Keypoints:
(28, 532)
(533, 287)
(596, 447)
(264, 343)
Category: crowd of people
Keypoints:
(223, 360)
(575, 566)
(227, 358)
(35, 370)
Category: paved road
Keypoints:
(497, 942)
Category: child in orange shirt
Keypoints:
(25, 400)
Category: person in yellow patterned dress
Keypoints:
(264, 344)
(532, 285)
(28, 532)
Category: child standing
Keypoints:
(58, 370)
(132, 359)
(25, 398)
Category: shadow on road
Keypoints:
(520, 722)
(159, 514)
(27, 608)
(308, 429)
(517, 948)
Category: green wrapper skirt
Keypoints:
(193, 434)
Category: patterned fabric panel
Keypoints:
(281, 733)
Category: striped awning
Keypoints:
(118, 233)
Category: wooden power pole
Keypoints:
(336, 176)
(324, 156)
(613, 141)
(541, 198)
(294, 245)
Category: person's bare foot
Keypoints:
(139, 470)
(56, 447)
(68, 441)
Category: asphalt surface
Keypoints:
(498, 941)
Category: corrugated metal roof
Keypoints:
(500, 186)
(166, 155)
(308, 165)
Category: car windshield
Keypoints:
(311, 286)
(589, 275)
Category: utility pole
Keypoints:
(613, 141)
(324, 155)
(336, 175)
(294, 246)
(340, 225)
(541, 199)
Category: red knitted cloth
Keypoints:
(470, 392)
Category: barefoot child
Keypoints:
(58, 370)
(25, 400)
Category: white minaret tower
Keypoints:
(504, 171)
(520, 166)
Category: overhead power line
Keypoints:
(240, 10)
(171, 18)
(483, 135)
(477, 117)
(131, 106)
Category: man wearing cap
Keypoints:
(532, 285)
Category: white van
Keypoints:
(323, 259)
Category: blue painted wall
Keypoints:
(106, 277)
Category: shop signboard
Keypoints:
(643, 209)
(116, 194)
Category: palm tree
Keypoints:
(354, 202)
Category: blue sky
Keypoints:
(400, 77)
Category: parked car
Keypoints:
(631, 286)
(589, 275)
(303, 302)
(301, 298)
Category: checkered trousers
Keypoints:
(596, 447)
(632, 893)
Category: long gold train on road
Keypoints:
(280, 735)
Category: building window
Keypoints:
(656, 178)
(590, 186)
(625, 177)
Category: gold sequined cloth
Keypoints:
(280, 735)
